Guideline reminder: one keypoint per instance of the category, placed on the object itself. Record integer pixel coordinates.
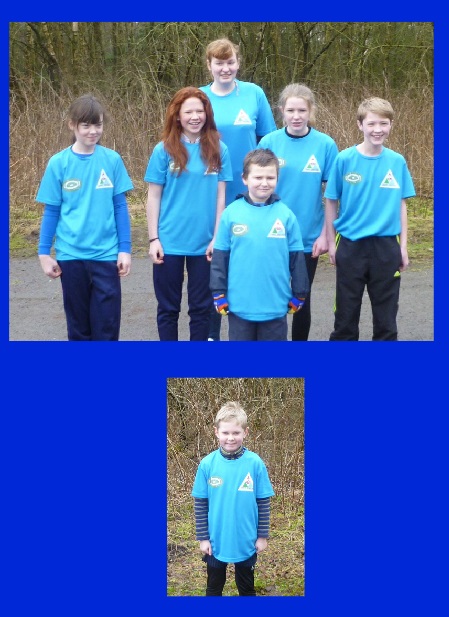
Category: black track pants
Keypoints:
(373, 263)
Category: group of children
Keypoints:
(239, 205)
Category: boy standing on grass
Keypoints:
(258, 270)
(368, 236)
(232, 494)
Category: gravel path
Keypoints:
(36, 312)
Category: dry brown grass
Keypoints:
(275, 409)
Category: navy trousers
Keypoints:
(168, 279)
(92, 299)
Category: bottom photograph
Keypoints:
(235, 487)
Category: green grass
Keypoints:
(279, 570)
(24, 231)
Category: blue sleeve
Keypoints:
(122, 222)
(265, 120)
(49, 223)
(226, 169)
(157, 167)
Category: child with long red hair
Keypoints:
(186, 173)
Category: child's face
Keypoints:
(230, 435)
(224, 71)
(375, 129)
(296, 114)
(192, 117)
(87, 135)
(261, 182)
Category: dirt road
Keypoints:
(36, 312)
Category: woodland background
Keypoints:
(135, 68)
(275, 409)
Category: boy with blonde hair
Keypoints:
(232, 494)
(367, 233)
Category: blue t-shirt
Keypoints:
(260, 239)
(232, 487)
(240, 116)
(304, 164)
(370, 190)
(84, 187)
(189, 201)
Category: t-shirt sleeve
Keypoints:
(50, 188)
(226, 167)
(264, 488)
(265, 121)
(199, 488)
(157, 165)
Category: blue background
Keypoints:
(83, 435)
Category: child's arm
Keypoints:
(403, 236)
(123, 225)
(221, 197)
(219, 277)
(298, 274)
(201, 507)
(330, 216)
(47, 233)
(156, 252)
(263, 506)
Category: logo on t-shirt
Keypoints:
(173, 168)
(71, 185)
(215, 481)
(389, 182)
(239, 229)
(242, 118)
(353, 177)
(104, 182)
(211, 171)
(278, 230)
(312, 165)
(247, 484)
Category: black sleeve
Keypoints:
(219, 272)
(298, 273)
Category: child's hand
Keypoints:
(124, 264)
(295, 304)
(205, 547)
(261, 544)
(50, 266)
(221, 304)
(156, 252)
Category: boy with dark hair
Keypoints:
(258, 270)
(232, 494)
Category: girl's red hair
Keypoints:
(209, 139)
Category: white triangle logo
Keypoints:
(389, 182)
(242, 118)
(312, 165)
(278, 230)
(104, 181)
(247, 484)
